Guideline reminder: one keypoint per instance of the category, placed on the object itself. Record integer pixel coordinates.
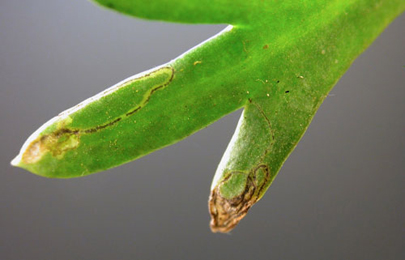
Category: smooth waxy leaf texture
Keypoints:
(278, 60)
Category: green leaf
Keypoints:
(186, 11)
(278, 61)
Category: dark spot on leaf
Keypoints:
(287, 91)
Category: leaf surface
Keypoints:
(278, 61)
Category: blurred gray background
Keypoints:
(340, 195)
